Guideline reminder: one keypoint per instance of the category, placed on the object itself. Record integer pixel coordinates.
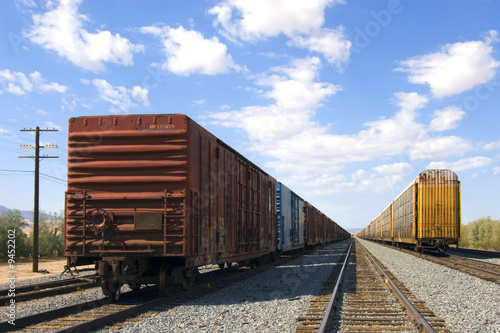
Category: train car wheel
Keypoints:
(111, 288)
(134, 286)
(442, 249)
(190, 277)
(164, 279)
(225, 265)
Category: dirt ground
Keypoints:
(24, 267)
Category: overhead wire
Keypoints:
(43, 175)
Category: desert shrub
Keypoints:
(483, 233)
(12, 220)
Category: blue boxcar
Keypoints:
(291, 226)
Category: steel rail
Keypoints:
(481, 270)
(324, 323)
(412, 311)
(35, 294)
(211, 284)
(490, 253)
(46, 285)
(481, 273)
(51, 314)
(115, 317)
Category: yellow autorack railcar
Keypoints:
(426, 214)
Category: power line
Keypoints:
(46, 176)
(9, 170)
(49, 177)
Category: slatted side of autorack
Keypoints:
(404, 213)
(438, 205)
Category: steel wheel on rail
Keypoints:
(164, 279)
(110, 288)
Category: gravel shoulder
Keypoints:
(466, 303)
(270, 302)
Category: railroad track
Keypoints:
(46, 289)
(102, 312)
(321, 305)
(474, 252)
(478, 268)
(96, 314)
(133, 306)
(371, 300)
(481, 269)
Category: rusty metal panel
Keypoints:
(438, 214)
(312, 224)
(122, 170)
(161, 185)
(319, 227)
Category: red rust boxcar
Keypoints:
(152, 197)
(319, 227)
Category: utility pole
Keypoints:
(37, 158)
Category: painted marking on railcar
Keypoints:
(162, 126)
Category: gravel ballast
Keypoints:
(466, 303)
(273, 300)
(269, 302)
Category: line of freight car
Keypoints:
(151, 198)
(425, 215)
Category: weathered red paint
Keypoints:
(163, 186)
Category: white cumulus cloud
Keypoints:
(62, 30)
(492, 145)
(259, 19)
(332, 43)
(122, 99)
(446, 119)
(188, 52)
(295, 94)
(441, 147)
(462, 164)
(456, 68)
(286, 132)
(301, 21)
(18, 83)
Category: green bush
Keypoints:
(50, 235)
(483, 233)
(12, 220)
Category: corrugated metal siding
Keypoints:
(121, 165)
(386, 221)
(438, 204)
(168, 187)
(403, 214)
(316, 224)
(290, 209)
(378, 227)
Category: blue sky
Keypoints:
(344, 101)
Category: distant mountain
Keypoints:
(26, 214)
(354, 231)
